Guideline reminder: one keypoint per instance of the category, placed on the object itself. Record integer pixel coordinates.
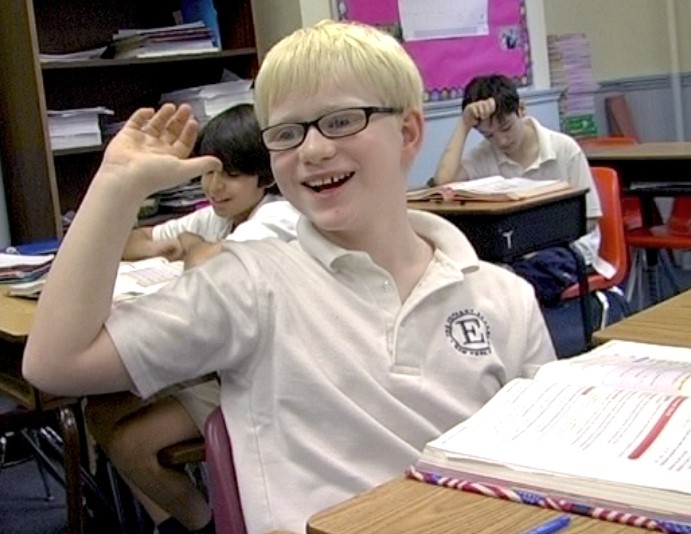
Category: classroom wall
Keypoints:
(640, 48)
(627, 37)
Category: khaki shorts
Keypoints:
(200, 400)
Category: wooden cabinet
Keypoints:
(41, 185)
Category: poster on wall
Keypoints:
(453, 41)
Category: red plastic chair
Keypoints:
(224, 495)
(630, 205)
(612, 243)
(675, 234)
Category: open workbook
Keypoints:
(492, 188)
(610, 428)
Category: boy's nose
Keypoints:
(316, 147)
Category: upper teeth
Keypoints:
(319, 182)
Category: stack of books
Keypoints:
(570, 67)
(76, 128)
(192, 38)
(208, 101)
(24, 273)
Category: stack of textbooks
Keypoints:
(606, 434)
(208, 101)
(76, 128)
(570, 67)
(24, 274)
(192, 38)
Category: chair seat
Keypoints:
(596, 282)
(185, 452)
(657, 237)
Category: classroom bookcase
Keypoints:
(41, 184)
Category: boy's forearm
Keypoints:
(77, 296)
(450, 162)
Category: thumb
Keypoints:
(200, 165)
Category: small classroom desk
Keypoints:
(405, 506)
(37, 408)
(666, 323)
(647, 170)
(505, 231)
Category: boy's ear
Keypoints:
(412, 130)
(521, 109)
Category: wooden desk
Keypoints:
(647, 169)
(38, 409)
(505, 231)
(666, 323)
(411, 507)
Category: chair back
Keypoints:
(605, 140)
(613, 247)
(224, 495)
(679, 221)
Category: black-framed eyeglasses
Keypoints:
(341, 123)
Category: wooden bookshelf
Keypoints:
(42, 184)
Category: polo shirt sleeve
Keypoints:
(580, 176)
(207, 320)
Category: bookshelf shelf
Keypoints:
(110, 63)
(41, 184)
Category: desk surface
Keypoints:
(640, 151)
(666, 323)
(411, 507)
(16, 317)
(471, 207)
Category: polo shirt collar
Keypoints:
(451, 246)
(546, 152)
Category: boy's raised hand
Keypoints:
(152, 149)
(475, 113)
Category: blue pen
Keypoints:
(553, 525)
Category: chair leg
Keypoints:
(668, 268)
(634, 277)
(31, 436)
(72, 463)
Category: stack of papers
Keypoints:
(570, 67)
(210, 100)
(193, 38)
(76, 128)
(137, 278)
(24, 274)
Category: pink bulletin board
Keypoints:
(447, 65)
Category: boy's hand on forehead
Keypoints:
(475, 113)
(152, 149)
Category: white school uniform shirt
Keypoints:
(330, 384)
(560, 158)
(272, 217)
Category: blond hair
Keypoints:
(337, 53)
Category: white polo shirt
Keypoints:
(560, 157)
(272, 217)
(330, 384)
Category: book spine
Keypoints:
(551, 503)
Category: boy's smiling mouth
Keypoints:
(330, 182)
